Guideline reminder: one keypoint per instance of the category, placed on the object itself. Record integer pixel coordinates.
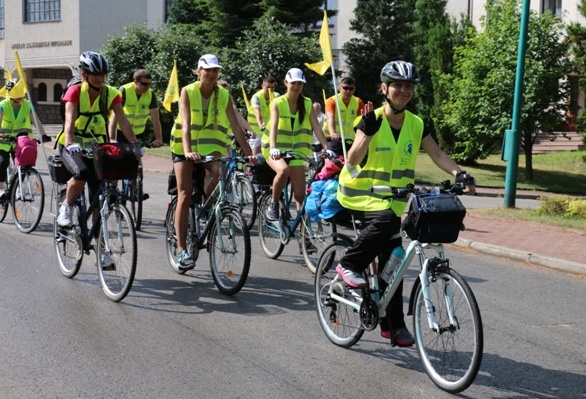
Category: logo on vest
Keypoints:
(382, 149)
(408, 149)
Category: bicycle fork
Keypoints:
(424, 278)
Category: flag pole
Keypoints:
(339, 112)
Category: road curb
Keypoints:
(523, 256)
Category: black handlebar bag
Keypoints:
(434, 218)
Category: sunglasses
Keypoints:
(145, 84)
(348, 88)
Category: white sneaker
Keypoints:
(107, 262)
(2, 195)
(64, 218)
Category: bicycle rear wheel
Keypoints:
(315, 237)
(68, 243)
(117, 278)
(28, 200)
(171, 237)
(229, 245)
(451, 356)
(270, 236)
(339, 320)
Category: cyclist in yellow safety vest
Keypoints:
(259, 111)
(140, 104)
(391, 136)
(87, 106)
(206, 113)
(293, 124)
(350, 108)
(15, 114)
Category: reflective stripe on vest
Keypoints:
(205, 137)
(136, 109)
(389, 163)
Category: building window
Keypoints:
(1, 19)
(57, 92)
(553, 6)
(42, 92)
(168, 5)
(42, 10)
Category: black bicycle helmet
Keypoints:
(93, 62)
(399, 70)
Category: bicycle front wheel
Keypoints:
(270, 236)
(451, 353)
(229, 244)
(337, 304)
(245, 197)
(171, 237)
(136, 197)
(68, 243)
(315, 237)
(116, 253)
(28, 200)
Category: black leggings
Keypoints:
(375, 240)
(4, 161)
(82, 168)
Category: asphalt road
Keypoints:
(176, 336)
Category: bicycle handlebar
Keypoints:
(445, 187)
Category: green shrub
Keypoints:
(554, 205)
(562, 205)
(576, 209)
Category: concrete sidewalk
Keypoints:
(548, 246)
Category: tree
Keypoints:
(577, 35)
(268, 48)
(386, 30)
(482, 87)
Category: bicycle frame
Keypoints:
(414, 248)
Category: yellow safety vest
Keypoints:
(349, 114)
(265, 112)
(90, 115)
(389, 163)
(11, 126)
(205, 137)
(136, 109)
(291, 135)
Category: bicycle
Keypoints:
(216, 225)
(112, 224)
(446, 319)
(25, 192)
(132, 190)
(274, 235)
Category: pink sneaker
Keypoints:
(351, 278)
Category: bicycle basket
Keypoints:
(59, 174)
(114, 161)
(263, 175)
(434, 218)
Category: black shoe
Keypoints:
(145, 196)
(46, 138)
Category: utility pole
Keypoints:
(512, 138)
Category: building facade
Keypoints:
(49, 36)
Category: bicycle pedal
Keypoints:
(145, 196)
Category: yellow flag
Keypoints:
(21, 75)
(172, 93)
(245, 98)
(326, 49)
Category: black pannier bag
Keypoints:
(434, 218)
